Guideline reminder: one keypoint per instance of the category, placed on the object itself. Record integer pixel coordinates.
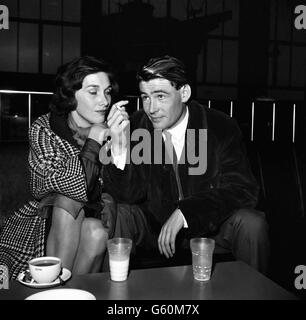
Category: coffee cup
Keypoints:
(45, 269)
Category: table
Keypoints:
(229, 281)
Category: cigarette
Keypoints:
(120, 108)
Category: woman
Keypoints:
(64, 219)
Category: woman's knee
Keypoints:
(93, 231)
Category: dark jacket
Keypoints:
(228, 183)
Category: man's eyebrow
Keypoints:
(156, 91)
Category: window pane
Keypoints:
(40, 105)
(194, 8)
(52, 10)
(217, 92)
(114, 6)
(52, 53)
(14, 116)
(283, 66)
(299, 35)
(231, 27)
(72, 10)
(30, 9)
(273, 7)
(271, 65)
(12, 6)
(160, 8)
(230, 61)
(200, 68)
(28, 47)
(213, 7)
(284, 20)
(71, 43)
(298, 66)
(214, 61)
(8, 48)
(178, 10)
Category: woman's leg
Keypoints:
(64, 236)
(92, 247)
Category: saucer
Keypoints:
(62, 294)
(66, 274)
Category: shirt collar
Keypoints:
(178, 131)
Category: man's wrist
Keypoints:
(185, 225)
(117, 150)
(119, 157)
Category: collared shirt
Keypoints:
(178, 140)
(178, 135)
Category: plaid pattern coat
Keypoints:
(55, 167)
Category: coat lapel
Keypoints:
(59, 126)
(197, 120)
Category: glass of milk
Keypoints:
(119, 257)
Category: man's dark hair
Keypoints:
(166, 67)
(69, 79)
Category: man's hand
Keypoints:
(117, 121)
(169, 231)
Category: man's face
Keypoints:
(163, 104)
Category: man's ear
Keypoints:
(185, 93)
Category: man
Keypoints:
(176, 202)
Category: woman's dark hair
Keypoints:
(166, 67)
(70, 78)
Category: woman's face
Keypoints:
(93, 100)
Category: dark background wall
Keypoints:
(233, 49)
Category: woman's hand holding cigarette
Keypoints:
(118, 121)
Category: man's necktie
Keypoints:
(173, 158)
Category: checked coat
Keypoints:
(55, 167)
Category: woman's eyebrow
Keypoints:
(96, 86)
(92, 85)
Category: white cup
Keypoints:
(45, 269)
(119, 258)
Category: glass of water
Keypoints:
(202, 253)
